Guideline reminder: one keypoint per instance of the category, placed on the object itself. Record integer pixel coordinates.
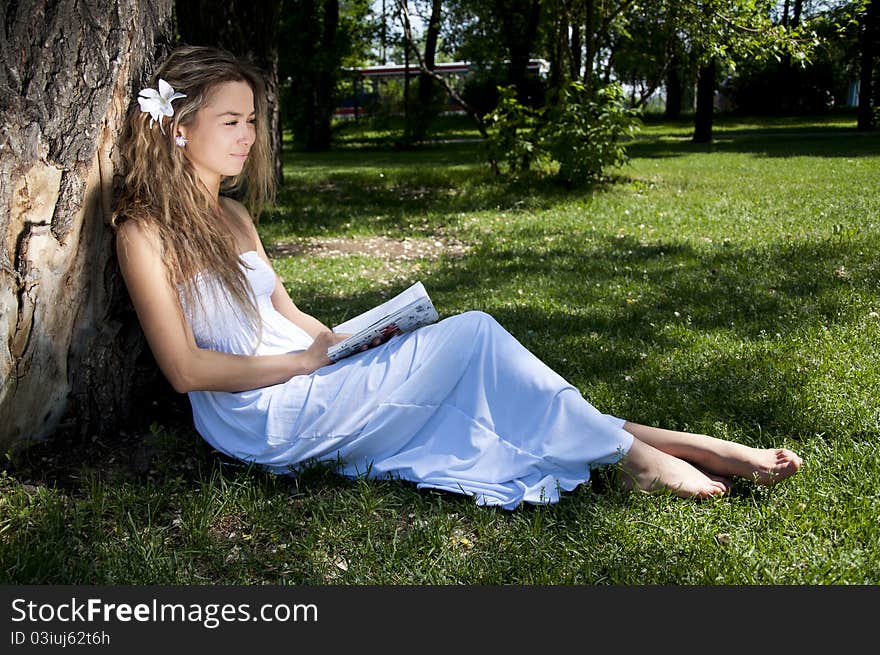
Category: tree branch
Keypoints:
(403, 14)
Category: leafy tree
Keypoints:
(869, 31)
(722, 32)
(318, 37)
(680, 71)
(518, 20)
(499, 37)
(428, 71)
(777, 86)
(429, 94)
(643, 49)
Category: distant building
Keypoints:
(356, 104)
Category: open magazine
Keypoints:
(407, 310)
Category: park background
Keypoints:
(677, 212)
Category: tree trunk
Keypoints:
(70, 345)
(705, 103)
(407, 114)
(673, 85)
(425, 110)
(248, 30)
(560, 62)
(867, 40)
(591, 22)
(788, 83)
(576, 50)
(325, 84)
(519, 21)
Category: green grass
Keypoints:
(730, 289)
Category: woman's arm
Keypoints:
(187, 366)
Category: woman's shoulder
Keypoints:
(133, 233)
(236, 209)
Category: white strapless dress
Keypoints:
(459, 405)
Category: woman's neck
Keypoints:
(210, 183)
(211, 189)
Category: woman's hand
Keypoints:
(316, 354)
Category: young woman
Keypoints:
(459, 405)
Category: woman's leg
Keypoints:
(763, 465)
(650, 469)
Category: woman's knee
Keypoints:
(477, 319)
(477, 323)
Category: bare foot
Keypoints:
(650, 469)
(765, 466)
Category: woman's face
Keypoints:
(221, 136)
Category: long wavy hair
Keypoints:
(163, 192)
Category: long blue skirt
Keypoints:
(459, 405)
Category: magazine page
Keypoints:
(380, 312)
(418, 312)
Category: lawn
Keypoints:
(729, 289)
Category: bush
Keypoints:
(583, 134)
(512, 145)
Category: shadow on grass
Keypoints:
(827, 141)
(722, 329)
(390, 192)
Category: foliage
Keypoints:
(318, 38)
(583, 135)
(473, 32)
(777, 86)
(498, 37)
(423, 116)
(730, 31)
(513, 144)
(645, 48)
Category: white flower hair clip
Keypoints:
(158, 103)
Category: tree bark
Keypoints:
(519, 22)
(560, 64)
(590, 40)
(249, 30)
(867, 42)
(407, 114)
(705, 103)
(673, 84)
(798, 9)
(320, 135)
(576, 49)
(424, 110)
(70, 345)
